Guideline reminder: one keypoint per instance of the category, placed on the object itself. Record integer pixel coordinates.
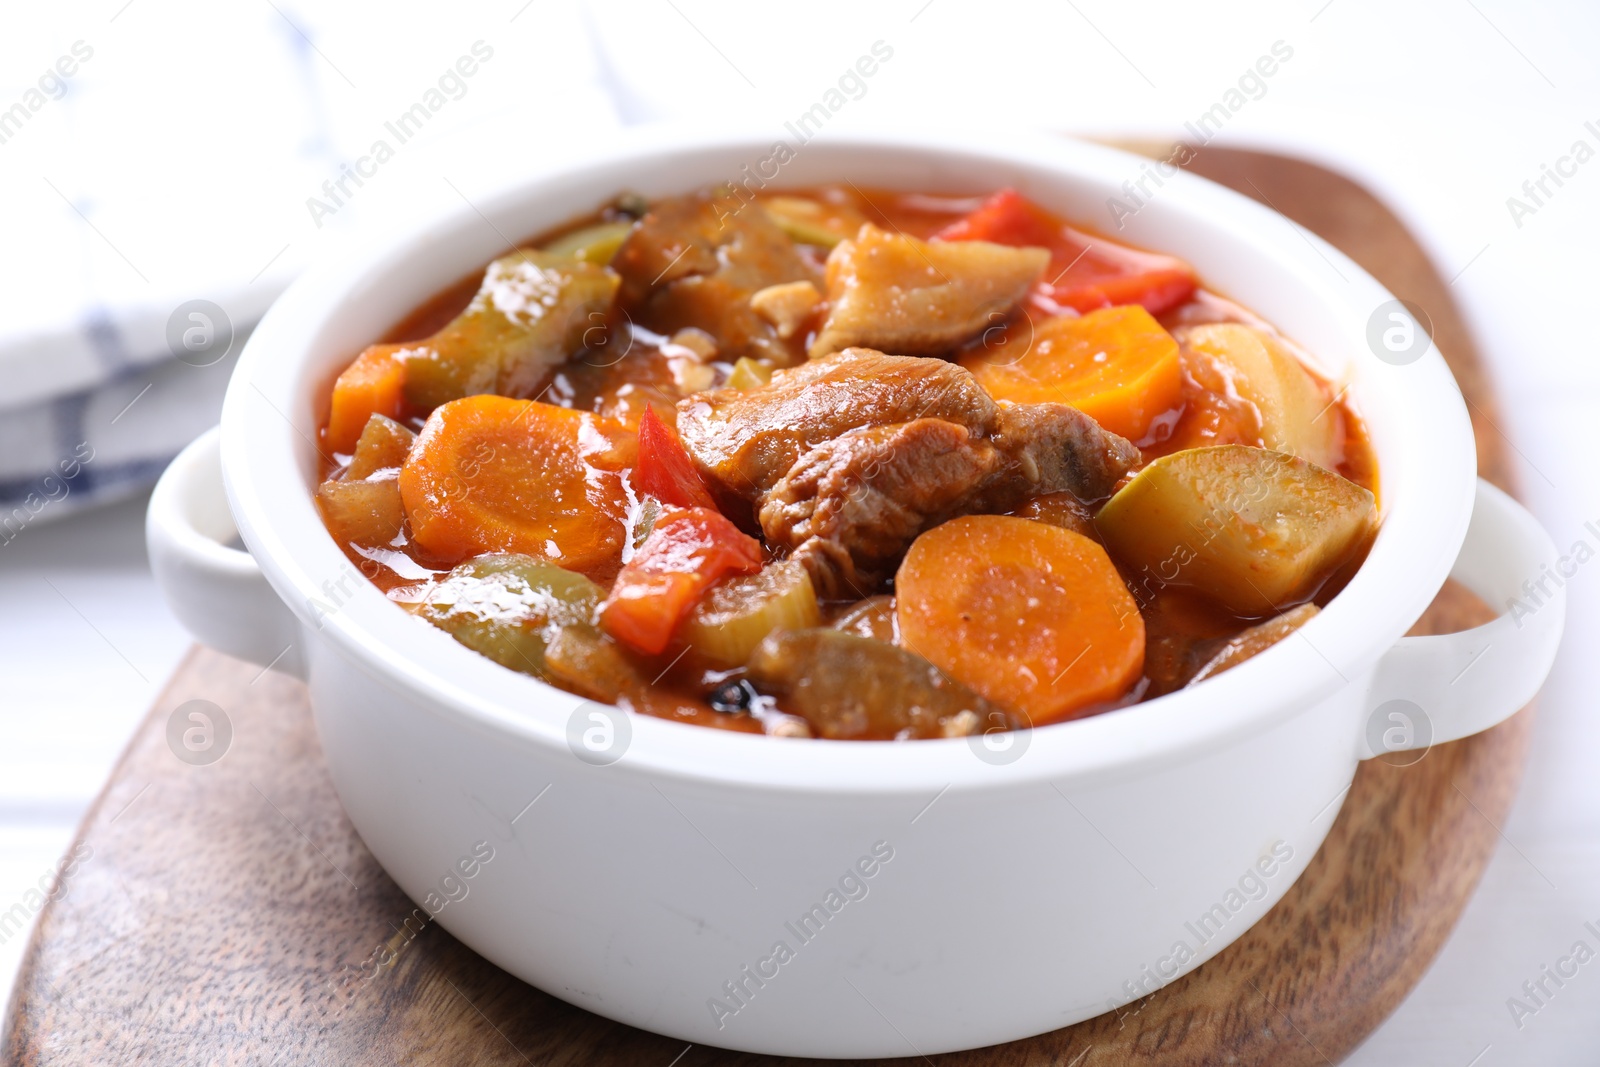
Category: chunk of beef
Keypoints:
(1255, 641)
(894, 292)
(847, 686)
(746, 439)
(696, 260)
(1054, 448)
(850, 507)
(849, 457)
(1060, 509)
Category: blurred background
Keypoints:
(156, 153)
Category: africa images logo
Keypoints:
(741, 989)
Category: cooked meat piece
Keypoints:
(749, 438)
(1255, 641)
(894, 292)
(1055, 448)
(850, 456)
(847, 686)
(1060, 509)
(873, 617)
(850, 506)
(696, 260)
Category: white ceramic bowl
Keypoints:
(660, 865)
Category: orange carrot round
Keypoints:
(1116, 365)
(1032, 616)
(374, 383)
(491, 474)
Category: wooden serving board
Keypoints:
(217, 912)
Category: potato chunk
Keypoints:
(1296, 416)
(786, 306)
(362, 506)
(366, 513)
(384, 445)
(917, 298)
(1255, 530)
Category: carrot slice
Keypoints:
(1116, 365)
(686, 553)
(665, 470)
(492, 474)
(374, 383)
(1031, 616)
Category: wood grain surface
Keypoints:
(228, 913)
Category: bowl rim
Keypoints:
(268, 426)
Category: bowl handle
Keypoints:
(1432, 689)
(218, 592)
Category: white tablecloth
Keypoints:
(186, 153)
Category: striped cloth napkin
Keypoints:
(168, 168)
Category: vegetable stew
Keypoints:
(847, 463)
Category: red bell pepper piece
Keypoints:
(1085, 272)
(686, 553)
(665, 470)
